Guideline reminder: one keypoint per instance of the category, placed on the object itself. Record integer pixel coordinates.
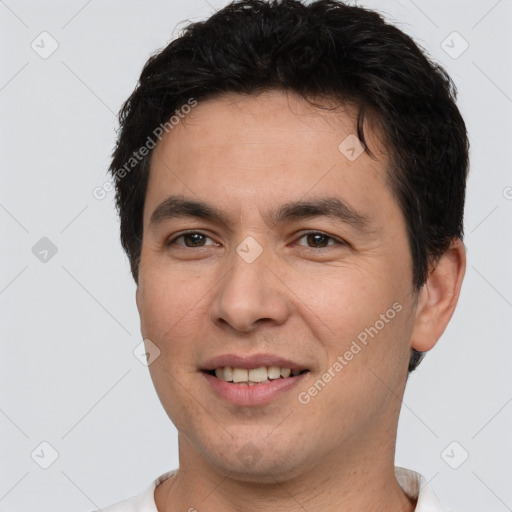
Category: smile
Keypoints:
(252, 387)
(252, 376)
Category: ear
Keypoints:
(438, 297)
(137, 298)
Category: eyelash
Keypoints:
(302, 235)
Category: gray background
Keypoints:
(69, 322)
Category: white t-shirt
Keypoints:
(413, 484)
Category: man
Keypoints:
(290, 180)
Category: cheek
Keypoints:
(365, 373)
(173, 308)
(170, 306)
(346, 301)
(367, 326)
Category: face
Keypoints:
(268, 247)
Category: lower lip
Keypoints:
(258, 394)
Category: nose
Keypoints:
(249, 295)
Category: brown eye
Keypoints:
(194, 240)
(191, 239)
(318, 240)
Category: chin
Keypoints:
(256, 460)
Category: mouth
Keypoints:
(254, 376)
(251, 381)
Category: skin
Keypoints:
(247, 155)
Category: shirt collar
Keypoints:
(416, 487)
(412, 483)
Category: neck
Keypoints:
(349, 480)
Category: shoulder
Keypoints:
(144, 502)
(416, 486)
(128, 505)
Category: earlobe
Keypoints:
(438, 297)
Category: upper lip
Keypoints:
(252, 361)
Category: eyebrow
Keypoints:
(331, 207)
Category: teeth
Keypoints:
(254, 375)
(258, 374)
(255, 383)
(240, 375)
(274, 372)
(228, 373)
(285, 372)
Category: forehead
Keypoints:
(247, 149)
(269, 118)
